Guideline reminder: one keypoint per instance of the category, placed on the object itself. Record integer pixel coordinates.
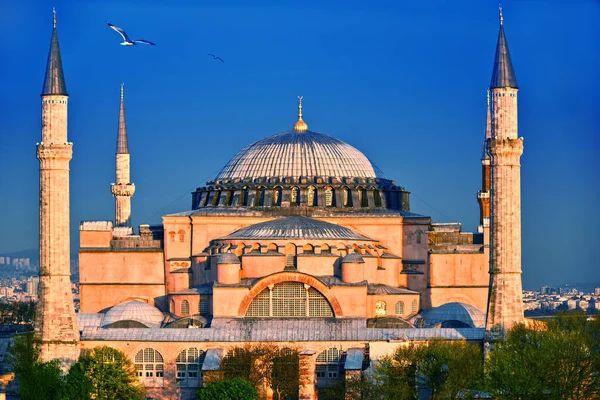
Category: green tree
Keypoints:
(37, 380)
(235, 389)
(103, 373)
(558, 361)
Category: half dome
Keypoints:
(134, 310)
(294, 154)
(451, 315)
(295, 227)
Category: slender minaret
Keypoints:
(123, 189)
(55, 321)
(483, 196)
(505, 303)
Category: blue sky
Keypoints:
(404, 82)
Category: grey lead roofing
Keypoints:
(285, 330)
(54, 80)
(503, 75)
(122, 147)
(295, 227)
(296, 154)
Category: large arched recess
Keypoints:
(279, 277)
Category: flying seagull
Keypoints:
(216, 57)
(127, 41)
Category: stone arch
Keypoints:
(460, 298)
(308, 249)
(277, 194)
(145, 299)
(272, 247)
(294, 277)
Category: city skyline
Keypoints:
(425, 131)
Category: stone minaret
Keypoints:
(483, 196)
(505, 303)
(55, 321)
(122, 189)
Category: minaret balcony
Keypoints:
(122, 189)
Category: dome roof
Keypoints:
(134, 310)
(448, 314)
(297, 154)
(296, 227)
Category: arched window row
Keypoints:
(185, 308)
(289, 299)
(312, 196)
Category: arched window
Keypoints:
(329, 196)
(308, 249)
(364, 200)
(217, 197)
(377, 198)
(414, 306)
(400, 308)
(189, 363)
(150, 367)
(328, 365)
(347, 197)
(244, 196)
(289, 299)
(172, 236)
(295, 196)
(185, 307)
(325, 248)
(181, 234)
(229, 201)
(259, 200)
(277, 196)
(380, 308)
(272, 247)
(203, 306)
(419, 233)
(312, 196)
(172, 306)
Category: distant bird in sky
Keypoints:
(216, 57)
(127, 40)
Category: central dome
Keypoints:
(296, 154)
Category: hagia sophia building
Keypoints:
(300, 241)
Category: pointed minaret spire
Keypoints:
(122, 147)
(122, 189)
(503, 75)
(54, 81)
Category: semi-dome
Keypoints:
(296, 154)
(451, 315)
(134, 310)
(295, 227)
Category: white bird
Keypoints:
(127, 40)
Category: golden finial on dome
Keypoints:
(54, 19)
(501, 17)
(300, 125)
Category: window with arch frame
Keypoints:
(189, 365)
(185, 307)
(400, 308)
(329, 196)
(328, 365)
(312, 196)
(203, 308)
(289, 300)
(150, 367)
(380, 308)
(295, 196)
(347, 197)
(414, 307)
